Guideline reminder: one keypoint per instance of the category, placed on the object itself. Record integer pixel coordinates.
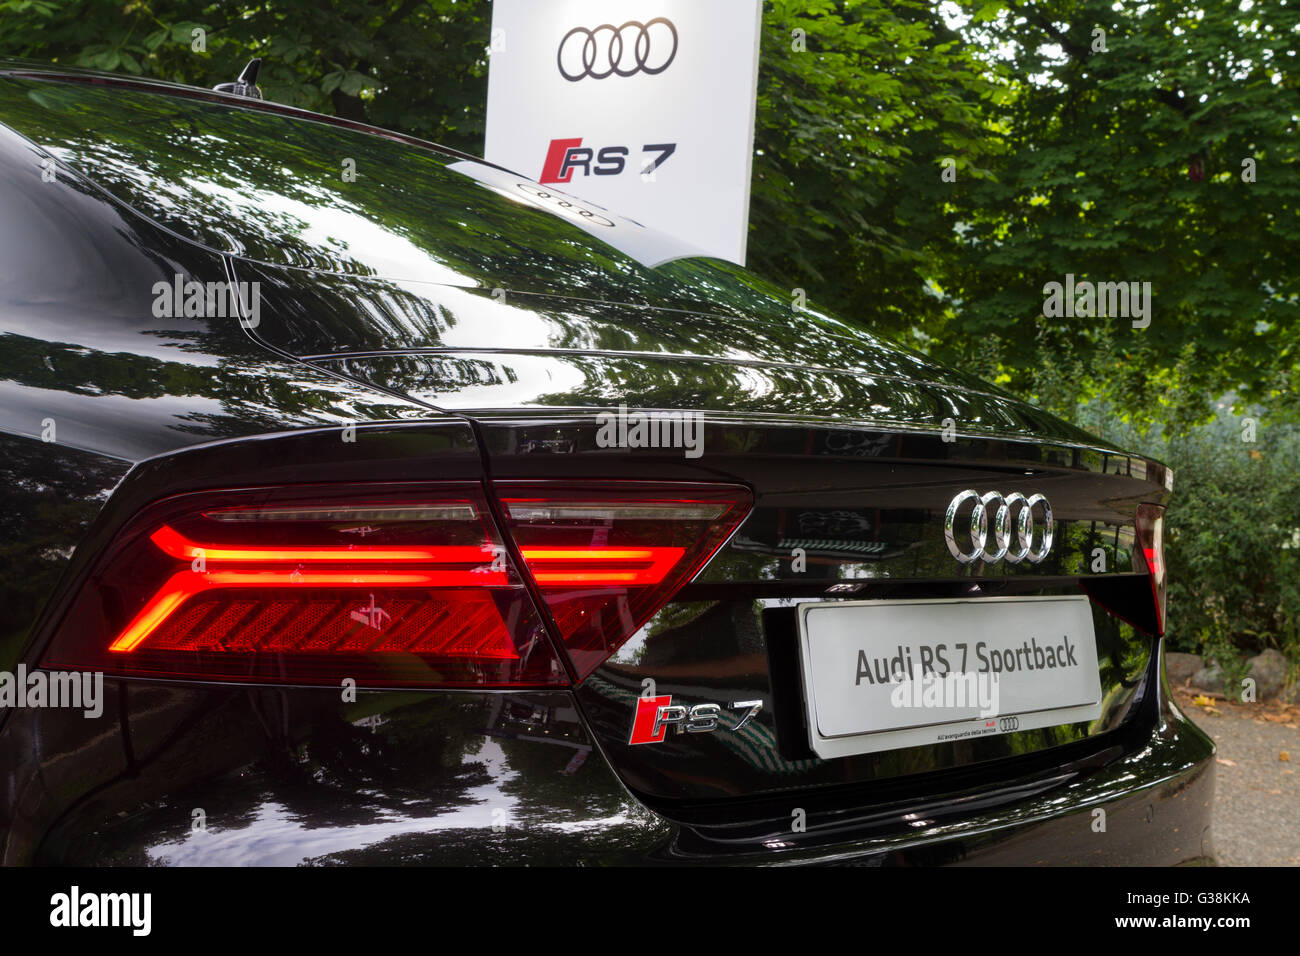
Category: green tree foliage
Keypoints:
(1131, 132)
(417, 66)
(859, 104)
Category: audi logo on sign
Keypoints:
(607, 50)
(1012, 527)
(1008, 723)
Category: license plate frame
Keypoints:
(850, 723)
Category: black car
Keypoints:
(368, 503)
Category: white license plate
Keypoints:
(879, 675)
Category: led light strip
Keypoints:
(177, 545)
(658, 562)
(651, 564)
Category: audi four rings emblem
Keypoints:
(1012, 526)
(633, 48)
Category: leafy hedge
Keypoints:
(1232, 538)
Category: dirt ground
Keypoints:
(1257, 790)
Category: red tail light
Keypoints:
(606, 560)
(405, 585)
(1151, 543)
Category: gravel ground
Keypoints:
(1257, 793)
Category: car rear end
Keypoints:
(627, 644)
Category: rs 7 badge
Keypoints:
(654, 715)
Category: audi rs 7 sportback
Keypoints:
(365, 502)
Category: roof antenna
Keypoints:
(246, 85)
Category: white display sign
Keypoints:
(643, 107)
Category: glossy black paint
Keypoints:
(80, 344)
(380, 308)
(49, 496)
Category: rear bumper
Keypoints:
(238, 776)
(1149, 808)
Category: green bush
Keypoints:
(1232, 535)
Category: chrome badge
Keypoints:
(1013, 527)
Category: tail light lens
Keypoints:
(1151, 545)
(393, 585)
(606, 560)
(406, 586)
